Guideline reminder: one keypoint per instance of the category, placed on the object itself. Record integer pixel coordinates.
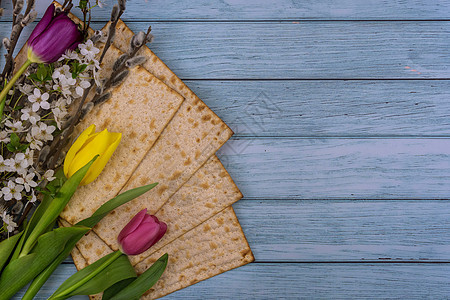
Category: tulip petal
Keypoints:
(132, 225)
(162, 231)
(96, 144)
(77, 145)
(111, 141)
(43, 23)
(59, 35)
(141, 239)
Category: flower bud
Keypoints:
(88, 145)
(52, 36)
(142, 232)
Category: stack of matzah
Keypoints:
(168, 136)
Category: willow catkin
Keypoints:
(102, 98)
(119, 78)
(134, 61)
(118, 63)
(114, 13)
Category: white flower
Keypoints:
(62, 73)
(49, 175)
(69, 55)
(79, 91)
(8, 220)
(33, 197)
(25, 88)
(59, 112)
(28, 114)
(9, 163)
(43, 132)
(3, 166)
(17, 164)
(93, 65)
(27, 181)
(34, 143)
(84, 84)
(14, 127)
(20, 161)
(12, 191)
(88, 49)
(39, 100)
(4, 138)
(29, 156)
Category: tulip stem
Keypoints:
(10, 84)
(63, 294)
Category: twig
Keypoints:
(15, 34)
(115, 16)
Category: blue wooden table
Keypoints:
(341, 113)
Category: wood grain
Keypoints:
(330, 108)
(311, 281)
(271, 9)
(302, 50)
(346, 230)
(339, 168)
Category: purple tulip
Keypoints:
(52, 36)
(142, 232)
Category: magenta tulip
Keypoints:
(52, 36)
(142, 232)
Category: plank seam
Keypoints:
(318, 79)
(412, 262)
(238, 137)
(340, 199)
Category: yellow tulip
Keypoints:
(88, 145)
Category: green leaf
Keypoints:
(15, 141)
(41, 72)
(7, 247)
(77, 68)
(10, 148)
(144, 282)
(120, 269)
(22, 270)
(23, 147)
(115, 202)
(40, 211)
(114, 289)
(39, 281)
(56, 206)
(33, 77)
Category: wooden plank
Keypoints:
(310, 281)
(301, 50)
(345, 230)
(318, 230)
(329, 108)
(339, 168)
(272, 9)
(325, 281)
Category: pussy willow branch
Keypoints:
(15, 34)
(122, 66)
